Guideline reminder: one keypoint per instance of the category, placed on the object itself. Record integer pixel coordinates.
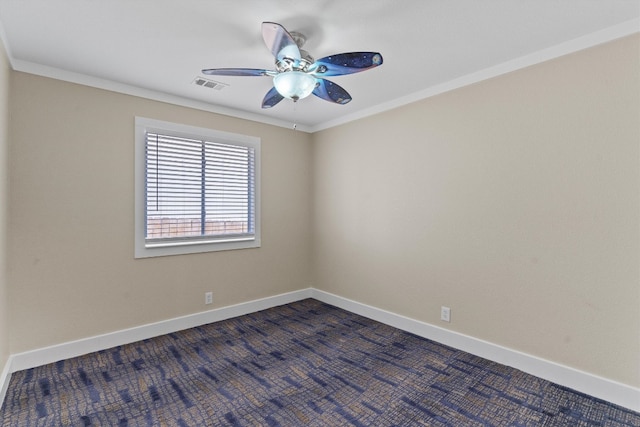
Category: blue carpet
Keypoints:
(302, 364)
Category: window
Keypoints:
(197, 190)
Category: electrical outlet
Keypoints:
(445, 314)
(208, 297)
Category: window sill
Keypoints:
(146, 250)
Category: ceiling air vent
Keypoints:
(211, 84)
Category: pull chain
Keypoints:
(295, 114)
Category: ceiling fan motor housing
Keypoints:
(293, 64)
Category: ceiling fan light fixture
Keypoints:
(294, 84)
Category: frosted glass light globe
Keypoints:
(294, 84)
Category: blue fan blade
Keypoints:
(279, 41)
(331, 92)
(236, 72)
(271, 98)
(346, 63)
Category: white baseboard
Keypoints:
(602, 388)
(5, 377)
(43, 356)
(611, 391)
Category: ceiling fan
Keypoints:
(297, 74)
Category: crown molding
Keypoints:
(590, 40)
(581, 43)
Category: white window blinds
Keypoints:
(198, 190)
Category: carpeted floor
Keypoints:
(305, 363)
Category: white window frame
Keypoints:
(197, 245)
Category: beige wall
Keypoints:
(4, 197)
(73, 273)
(514, 201)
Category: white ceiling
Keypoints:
(156, 48)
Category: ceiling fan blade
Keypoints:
(331, 92)
(271, 98)
(346, 63)
(279, 41)
(237, 72)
